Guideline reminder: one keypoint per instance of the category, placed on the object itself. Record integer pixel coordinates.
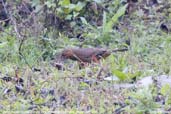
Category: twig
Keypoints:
(4, 6)
(69, 77)
(21, 55)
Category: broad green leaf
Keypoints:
(64, 2)
(115, 18)
(133, 75)
(120, 75)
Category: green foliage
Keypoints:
(9, 49)
(79, 89)
(120, 75)
(103, 35)
(119, 67)
(66, 9)
(108, 27)
(166, 92)
(142, 102)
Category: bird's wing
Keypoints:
(85, 52)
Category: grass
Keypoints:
(77, 90)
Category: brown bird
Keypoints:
(87, 55)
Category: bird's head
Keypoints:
(103, 53)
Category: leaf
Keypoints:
(120, 75)
(79, 6)
(39, 101)
(83, 84)
(133, 75)
(64, 2)
(84, 21)
(50, 4)
(2, 45)
(75, 14)
(68, 17)
(66, 10)
(165, 89)
(71, 6)
(115, 18)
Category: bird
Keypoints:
(87, 55)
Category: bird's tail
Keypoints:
(120, 50)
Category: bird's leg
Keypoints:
(77, 58)
(83, 64)
(99, 73)
(94, 58)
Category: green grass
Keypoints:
(79, 90)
